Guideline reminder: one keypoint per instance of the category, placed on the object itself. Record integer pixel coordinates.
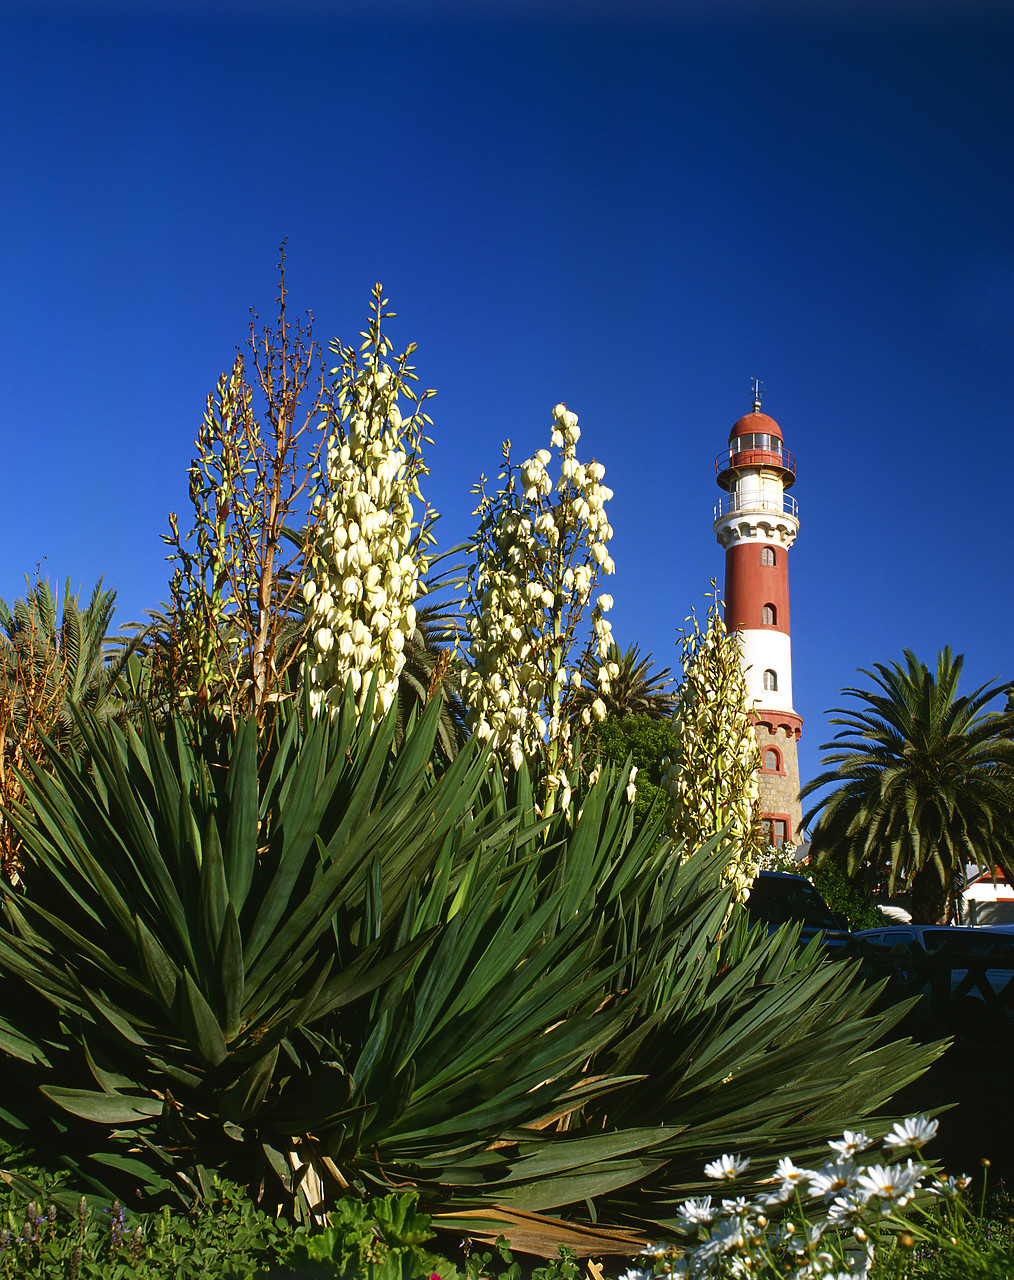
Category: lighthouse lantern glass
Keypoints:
(757, 440)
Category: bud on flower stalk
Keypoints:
(714, 780)
(369, 559)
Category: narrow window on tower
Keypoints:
(772, 760)
(770, 681)
(767, 555)
(769, 616)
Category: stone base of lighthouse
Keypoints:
(778, 777)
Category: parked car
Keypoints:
(778, 898)
(996, 941)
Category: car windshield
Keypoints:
(787, 901)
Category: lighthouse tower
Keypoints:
(756, 522)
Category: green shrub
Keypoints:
(377, 1239)
(224, 1236)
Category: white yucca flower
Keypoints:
(370, 557)
(539, 550)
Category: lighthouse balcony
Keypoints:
(730, 463)
(733, 504)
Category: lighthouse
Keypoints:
(756, 521)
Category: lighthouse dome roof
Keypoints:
(756, 422)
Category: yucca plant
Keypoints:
(344, 970)
(187, 986)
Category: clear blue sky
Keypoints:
(633, 207)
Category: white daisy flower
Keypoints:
(790, 1174)
(726, 1168)
(771, 1198)
(845, 1209)
(895, 1182)
(914, 1132)
(851, 1143)
(696, 1213)
(832, 1179)
(949, 1187)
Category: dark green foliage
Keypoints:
(956, 1240)
(180, 937)
(765, 1046)
(646, 740)
(499, 1263)
(336, 968)
(923, 784)
(843, 895)
(213, 964)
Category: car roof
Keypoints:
(957, 931)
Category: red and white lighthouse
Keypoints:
(756, 522)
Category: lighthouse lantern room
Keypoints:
(756, 521)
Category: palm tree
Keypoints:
(923, 784)
(432, 670)
(635, 686)
(51, 667)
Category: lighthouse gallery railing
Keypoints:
(734, 503)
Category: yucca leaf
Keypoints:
(114, 1018)
(68, 942)
(19, 1046)
(139, 1171)
(297, 826)
(242, 1100)
(278, 1163)
(213, 892)
(103, 1108)
(364, 975)
(177, 1069)
(108, 1081)
(240, 849)
(231, 973)
(162, 975)
(581, 1183)
(200, 1023)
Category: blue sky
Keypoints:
(632, 207)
